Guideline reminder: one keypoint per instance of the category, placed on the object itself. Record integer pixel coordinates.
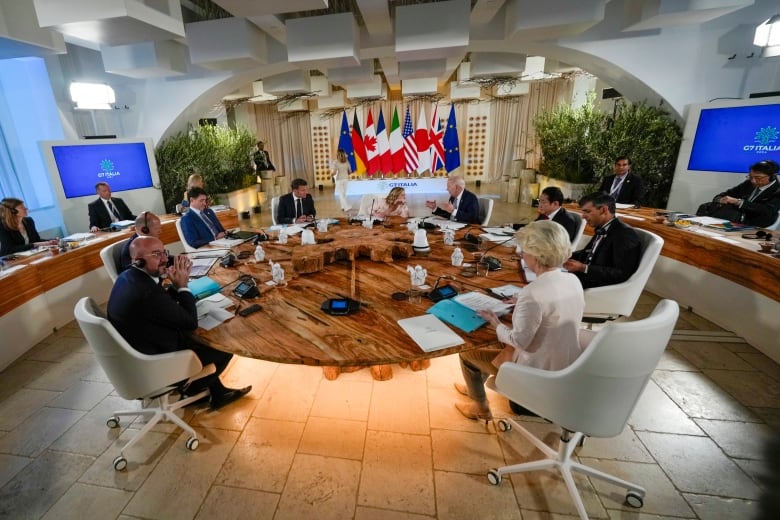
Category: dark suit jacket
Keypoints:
(285, 211)
(151, 319)
(258, 159)
(98, 214)
(468, 210)
(761, 212)
(12, 241)
(565, 219)
(616, 258)
(632, 191)
(196, 232)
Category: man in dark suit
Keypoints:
(147, 224)
(154, 320)
(262, 160)
(613, 254)
(756, 201)
(105, 210)
(625, 187)
(550, 202)
(297, 207)
(463, 206)
(200, 224)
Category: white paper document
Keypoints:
(479, 301)
(630, 217)
(226, 242)
(211, 311)
(33, 251)
(506, 291)
(78, 237)
(293, 229)
(508, 231)
(620, 205)
(430, 333)
(201, 266)
(707, 221)
(207, 252)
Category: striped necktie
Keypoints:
(113, 209)
(210, 224)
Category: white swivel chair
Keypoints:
(776, 224)
(274, 208)
(580, 229)
(134, 375)
(594, 396)
(187, 248)
(485, 210)
(111, 260)
(612, 301)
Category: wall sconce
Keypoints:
(92, 96)
(768, 36)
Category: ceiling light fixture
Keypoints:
(92, 96)
(768, 33)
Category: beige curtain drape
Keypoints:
(512, 119)
(287, 137)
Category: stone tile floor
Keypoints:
(303, 447)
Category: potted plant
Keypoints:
(219, 153)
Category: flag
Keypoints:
(435, 147)
(410, 147)
(358, 147)
(397, 144)
(345, 141)
(422, 142)
(385, 161)
(369, 140)
(451, 146)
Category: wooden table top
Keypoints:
(292, 328)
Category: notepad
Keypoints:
(430, 333)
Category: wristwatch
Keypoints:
(586, 269)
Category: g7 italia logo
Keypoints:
(107, 165)
(764, 137)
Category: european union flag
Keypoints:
(451, 143)
(345, 141)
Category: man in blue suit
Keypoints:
(463, 205)
(200, 224)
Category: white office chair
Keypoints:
(776, 224)
(111, 260)
(368, 202)
(612, 301)
(580, 229)
(187, 248)
(274, 207)
(485, 210)
(594, 396)
(139, 376)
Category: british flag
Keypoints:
(410, 147)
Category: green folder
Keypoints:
(457, 314)
(203, 287)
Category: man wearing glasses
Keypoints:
(154, 320)
(755, 202)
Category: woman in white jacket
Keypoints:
(340, 170)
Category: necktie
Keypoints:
(593, 244)
(616, 184)
(543, 217)
(209, 224)
(298, 208)
(113, 210)
(753, 195)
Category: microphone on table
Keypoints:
(491, 262)
(426, 225)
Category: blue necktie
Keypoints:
(210, 224)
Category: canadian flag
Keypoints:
(372, 150)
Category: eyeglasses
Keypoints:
(757, 177)
(159, 254)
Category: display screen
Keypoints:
(337, 305)
(125, 166)
(731, 139)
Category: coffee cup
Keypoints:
(766, 247)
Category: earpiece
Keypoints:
(140, 263)
(12, 209)
(145, 228)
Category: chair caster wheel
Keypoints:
(113, 422)
(120, 463)
(494, 477)
(634, 499)
(504, 425)
(192, 443)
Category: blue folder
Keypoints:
(457, 314)
(203, 287)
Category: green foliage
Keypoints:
(222, 155)
(569, 138)
(651, 139)
(581, 144)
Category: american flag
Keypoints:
(410, 147)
